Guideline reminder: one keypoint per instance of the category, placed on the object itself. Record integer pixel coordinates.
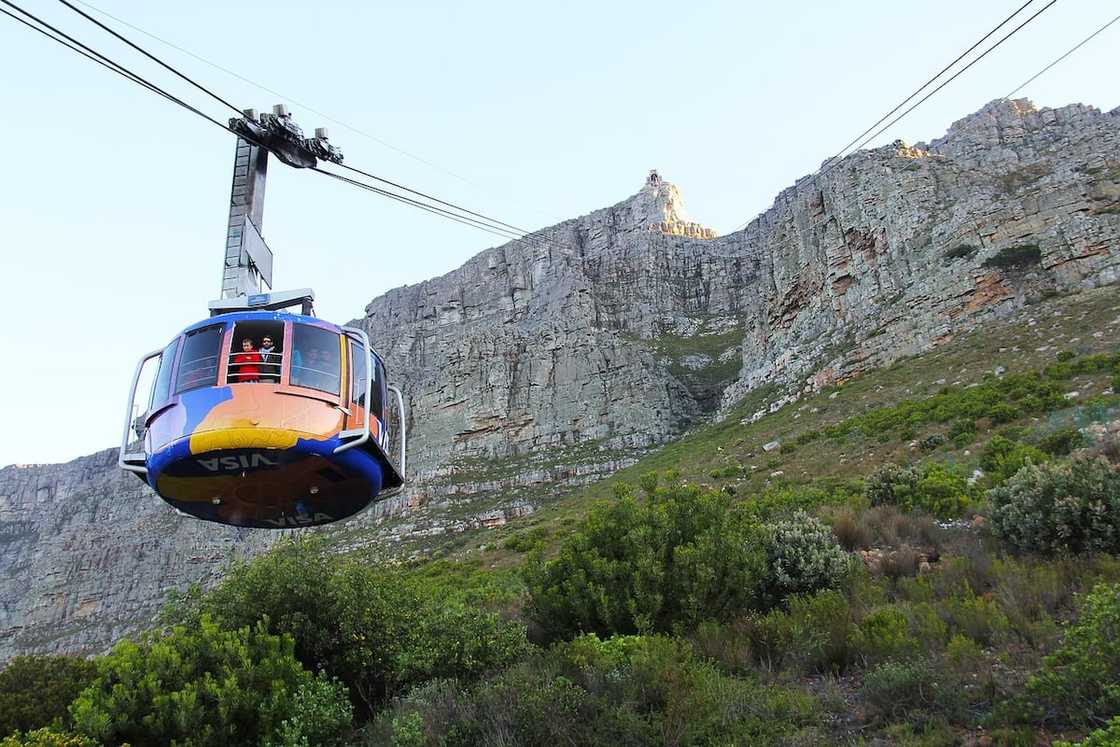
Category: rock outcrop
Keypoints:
(558, 359)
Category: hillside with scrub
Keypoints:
(925, 554)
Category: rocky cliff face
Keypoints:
(558, 359)
(900, 247)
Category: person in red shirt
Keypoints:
(245, 364)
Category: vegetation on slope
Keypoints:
(916, 561)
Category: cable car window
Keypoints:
(161, 390)
(316, 357)
(357, 374)
(379, 390)
(198, 364)
(255, 354)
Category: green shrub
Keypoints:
(457, 641)
(962, 432)
(37, 690)
(353, 621)
(47, 737)
(378, 631)
(934, 488)
(887, 484)
(884, 634)
(963, 653)
(901, 689)
(1078, 684)
(1058, 508)
(931, 442)
(978, 618)
(1062, 442)
(815, 634)
(1003, 457)
(677, 559)
(626, 690)
(1109, 736)
(802, 557)
(528, 541)
(208, 686)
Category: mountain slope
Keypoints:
(554, 362)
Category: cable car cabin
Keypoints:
(294, 435)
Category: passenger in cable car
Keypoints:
(244, 364)
(270, 361)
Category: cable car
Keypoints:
(301, 435)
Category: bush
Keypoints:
(850, 531)
(963, 432)
(884, 634)
(378, 631)
(353, 621)
(934, 488)
(208, 686)
(962, 653)
(1109, 736)
(1003, 457)
(802, 557)
(816, 634)
(931, 442)
(47, 737)
(626, 690)
(457, 641)
(1078, 684)
(1062, 442)
(896, 690)
(677, 559)
(976, 617)
(37, 690)
(1070, 507)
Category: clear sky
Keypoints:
(113, 202)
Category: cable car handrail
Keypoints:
(404, 431)
(368, 348)
(129, 421)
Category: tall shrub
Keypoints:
(1067, 507)
(1080, 683)
(36, 690)
(678, 558)
(203, 685)
(802, 557)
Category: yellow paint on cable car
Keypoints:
(245, 437)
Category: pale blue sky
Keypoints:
(113, 201)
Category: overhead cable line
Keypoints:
(944, 83)
(500, 225)
(835, 161)
(417, 203)
(308, 107)
(1076, 47)
(77, 46)
(86, 51)
(435, 199)
(925, 85)
(149, 55)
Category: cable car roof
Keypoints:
(263, 316)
